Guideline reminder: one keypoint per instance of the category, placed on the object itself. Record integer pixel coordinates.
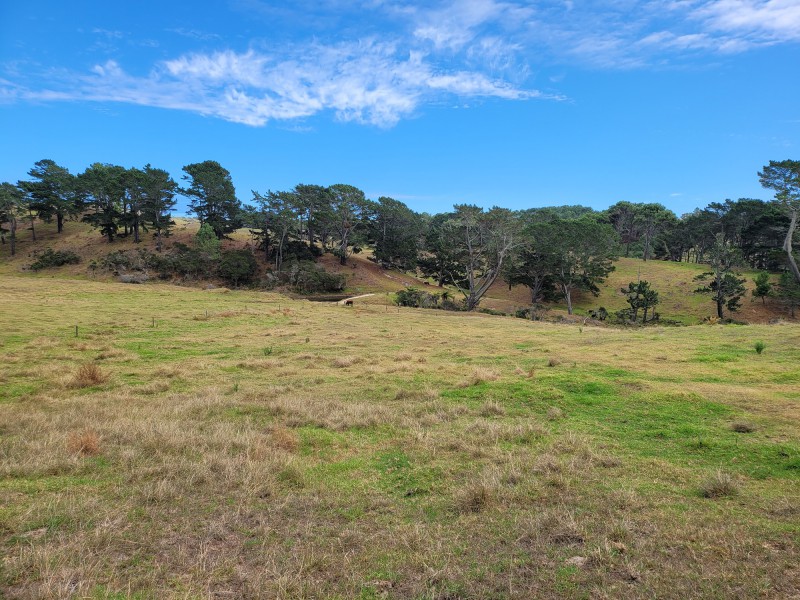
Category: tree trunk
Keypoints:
(719, 308)
(13, 237)
(33, 229)
(158, 240)
(787, 246)
(568, 298)
(59, 222)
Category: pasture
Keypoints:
(214, 444)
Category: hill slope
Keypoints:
(673, 281)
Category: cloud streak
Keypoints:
(366, 82)
(467, 49)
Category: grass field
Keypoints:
(214, 444)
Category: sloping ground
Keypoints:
(85, 242)
(673, 281)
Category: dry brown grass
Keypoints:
(480, 375)
(87, 375)
(285, 439)
(84, 443)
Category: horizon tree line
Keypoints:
(554, 251)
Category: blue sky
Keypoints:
(513, 103)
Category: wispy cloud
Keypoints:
(366, 82)
(385, 67)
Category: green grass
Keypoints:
(407, 454)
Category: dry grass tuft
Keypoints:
(480, 375)
(719, 485)
(84, 443)
(427, 393)
(554, 413)
(475, 497)
(553, 362)
(743, 427)
(285, 439)
(492, 409)
(88, 374)
(342, 362)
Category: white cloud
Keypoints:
(765, 20)
(367, 82)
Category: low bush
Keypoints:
(54, 258)
(307, 278)
(237, 266)
(417, 298)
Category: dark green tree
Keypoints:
(237, 266)
(640, 296)
(482, 241)
(583, 255)
(212, 196)
(725, 287)
(533, 262)
(52, 193)
(396, 230)
(763, 287)
(104, 187)
(784, 177)
(437, 257)
(314, 202)
(277, 216)
(652, 220)
(157, 191)
(788, 292)
(348, 205)
(623, 218)
(12, 200)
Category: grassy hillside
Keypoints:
(673, 281)
(198, 444)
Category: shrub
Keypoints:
(759, 346)
(237, 266)
(307, 278)
(417, 298)
(54, 258)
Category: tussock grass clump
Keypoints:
(285, 439)
(342, 362)
(492, 409)
(554, 413)
(553, 362)
(84, 443)
(87, 375)
(423, 394)
(480, 375)
(475, 497)
(743, 427)
(719, 485)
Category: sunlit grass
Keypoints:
(246, 445)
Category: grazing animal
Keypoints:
(348, 303)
